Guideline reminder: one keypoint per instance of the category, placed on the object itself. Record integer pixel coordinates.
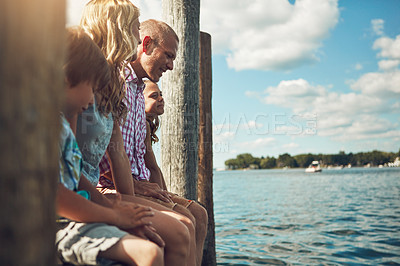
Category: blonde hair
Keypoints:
(109, 23)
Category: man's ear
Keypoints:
(146, 43)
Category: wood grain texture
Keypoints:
(179, 125)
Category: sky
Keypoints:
(304, 76)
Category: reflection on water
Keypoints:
(288, 217)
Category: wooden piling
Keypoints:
(179, 130)
(205, 177)
(31, 88)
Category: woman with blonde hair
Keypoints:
(114, 27)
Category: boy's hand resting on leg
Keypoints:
(130, 215)
(130, 218)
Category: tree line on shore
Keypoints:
(373, 158)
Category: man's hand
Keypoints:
(130, 215)
(148, 189)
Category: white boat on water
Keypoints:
(314, 167)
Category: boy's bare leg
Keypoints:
(176, 230)
(133, 250)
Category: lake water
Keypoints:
(289, 217)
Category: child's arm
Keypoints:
(156, 175)
(119, 162)
(75, 207)
(95, 195)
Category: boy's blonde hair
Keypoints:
(85, 62)
(110, 25)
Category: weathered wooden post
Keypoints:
(205, 181)
(31, 86)
(179, 141)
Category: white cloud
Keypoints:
(387, 65)
(377, 26)
(376, 125)
(295, 94)
(338, 115)
(345, 104)
(382, 84)
(369, 127)
(390, 48)
(364, 127)
(268, 35)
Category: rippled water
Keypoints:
(288, 217)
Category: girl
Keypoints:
(114, 26)
(154, 107)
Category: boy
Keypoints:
(97, 234)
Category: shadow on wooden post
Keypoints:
(205, 177)
(31, 89)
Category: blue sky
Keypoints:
(299, 76)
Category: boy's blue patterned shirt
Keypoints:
(70, 157)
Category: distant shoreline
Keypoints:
(340, 160)
(299, 168)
